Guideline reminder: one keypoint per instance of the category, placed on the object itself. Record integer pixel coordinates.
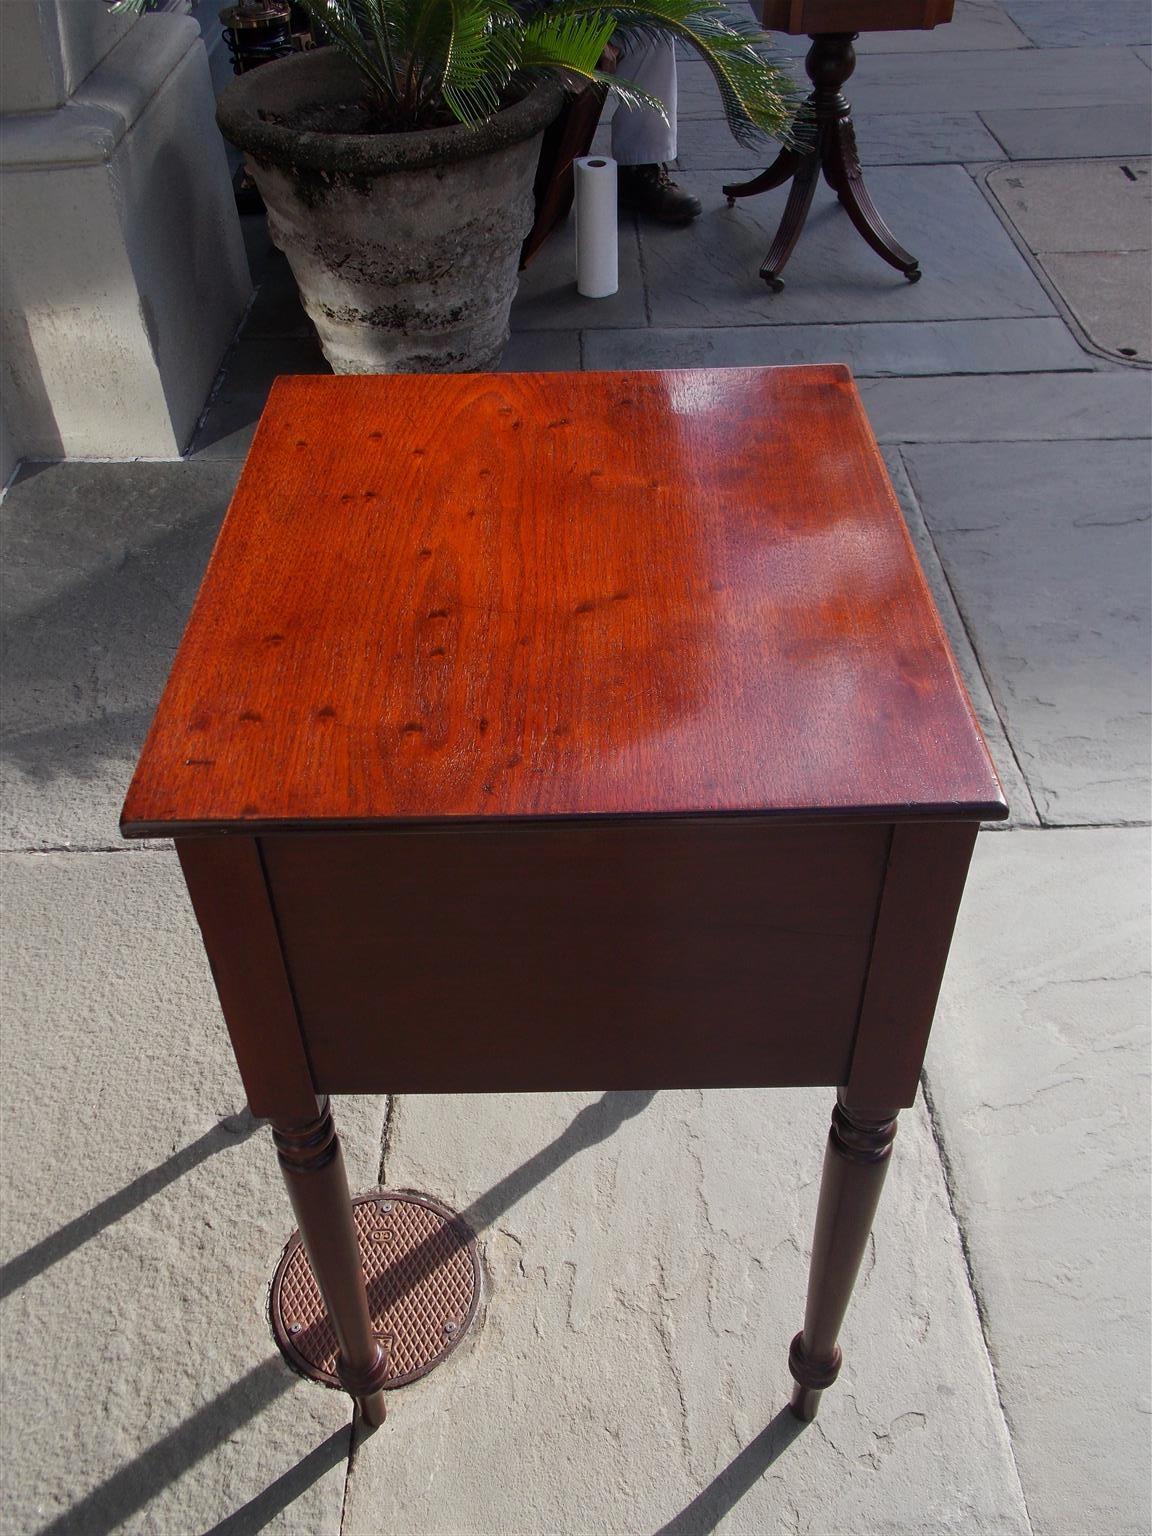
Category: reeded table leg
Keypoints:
(313, 1168)
(859, 1145)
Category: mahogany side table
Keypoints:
(569, 731)
(826, 138)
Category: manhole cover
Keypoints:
(1087, 227)
(423, 1275)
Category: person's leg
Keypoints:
(639, 135)
(642, 142)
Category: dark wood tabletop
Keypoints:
(560, 595)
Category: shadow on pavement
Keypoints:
(73, 1234)
(727, 1488)
(137, 1482)
(263, 1509)
(130, 1488)
(594, 1123)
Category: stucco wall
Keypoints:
(124, 274)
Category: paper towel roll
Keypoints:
(597, 265)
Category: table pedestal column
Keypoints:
(859, 1146)
(825, 141)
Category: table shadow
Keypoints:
(728, 1487)
(228, 1132)
(138, 1481)
(106, 1507)
(594, 1123)
(276, 1498)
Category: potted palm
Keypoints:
(397, 165)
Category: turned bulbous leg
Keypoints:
(855, 1163)
(313, 1167)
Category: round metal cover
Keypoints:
(423, 1276)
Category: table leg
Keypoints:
(856, 1160)
(313, 1168)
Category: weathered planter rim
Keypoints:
(325, 75)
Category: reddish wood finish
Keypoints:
(312, 1163)
(592, 955)
(471, 597)
(828, 147)
(855, 1163)
(803, 17)
(927, 867)
(226, 882)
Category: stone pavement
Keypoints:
(645, 1253)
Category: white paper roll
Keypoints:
(597, 265)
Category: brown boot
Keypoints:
(649, 189)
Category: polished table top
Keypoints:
(479, 597)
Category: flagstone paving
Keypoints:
(644, 1254)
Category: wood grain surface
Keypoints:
(646, 954)
(446, 597)
(808, 16)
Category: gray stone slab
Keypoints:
(229, 422)
(143, 1216)
(1074, 24)
(547, 297)
(1038, 1072)
(975, 24)
(1078, 205)
(258, 245)
(1055, 133)
(102, 562)
(1109, 293)
(708, 274)
(1035, 407)
(1144, 54)
(276, 310)
(957, 346)
(1016, 792)
(541, 352)
(646, 1259)
(938, 138)
(974, 81)
(1046, 546)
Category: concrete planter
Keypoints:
(405, 246)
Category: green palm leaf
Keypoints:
(483, 53)
(419, 56)
(758, 94)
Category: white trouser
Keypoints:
(640, 136)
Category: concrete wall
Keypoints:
(50, 46)
(123, 273)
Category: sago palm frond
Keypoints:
(418, 57)
(758, 94)
(572, 46)
(482, 56)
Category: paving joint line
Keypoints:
(755, 323)
(642, 263)
(127, 847)
(971, 638)
(350, 1462)
(387, 1138)
(950, 1187)
(225, 363)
